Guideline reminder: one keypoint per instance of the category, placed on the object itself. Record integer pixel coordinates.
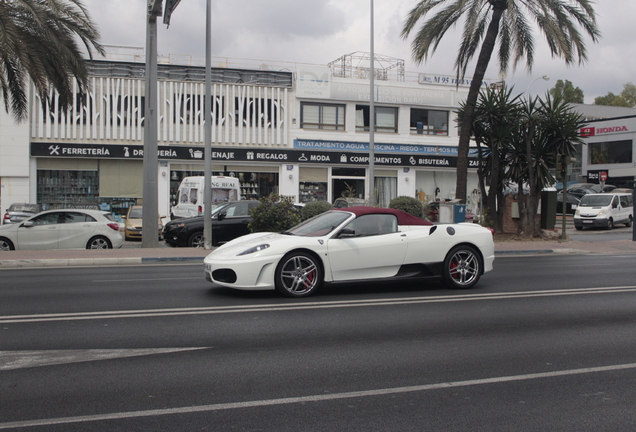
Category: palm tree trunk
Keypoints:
(485, 53)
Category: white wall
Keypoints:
(14, 161)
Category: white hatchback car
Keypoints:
(63, 229)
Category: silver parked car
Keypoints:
(17, 212)
(63, 229)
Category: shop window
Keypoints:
(322, 116)
(615, 152)
(65, 188)
(429, 122)
(385, 190)
(386, 119)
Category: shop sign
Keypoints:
(246, 155)
(379, 147)
(594, 131)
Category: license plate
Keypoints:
(588, 221)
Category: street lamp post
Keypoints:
(207, 151)
(372, 117)
(151, 159)
(150, 215)
(544, 77)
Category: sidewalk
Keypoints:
(133, 254)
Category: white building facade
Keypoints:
(302, 133)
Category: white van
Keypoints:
(189, 200)
(604, 210)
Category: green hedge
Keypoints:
(314, 208)
(274, 214)
(407, 204)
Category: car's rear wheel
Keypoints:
(610, 224)
(6, 244)
(196, 240)
(462, 267)
(99, 242)
(298, 274)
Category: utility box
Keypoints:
(452, 213)
(548, 209)
(459, 213)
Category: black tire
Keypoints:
(99, 242)
(610, 224)
(196, 240)
(6, 244)
(578, 228)
(462, 267)
(628, 224)
(298, 274)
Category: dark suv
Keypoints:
(228, 222)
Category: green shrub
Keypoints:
(314, 208)
(407, 204)
(273, 214)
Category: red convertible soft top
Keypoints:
(403, 218)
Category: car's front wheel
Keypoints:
(610, 224)
(298, 274)
(196, 240)
(6, 244)
(99, 242)
(628, 224)
(462, 267)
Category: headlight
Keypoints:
(602, 212)
(577, 213)
(254, 249)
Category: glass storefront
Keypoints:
(254, 184)
(63, 188)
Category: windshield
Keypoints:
(320, 225)
(596, 200)
(135, 213)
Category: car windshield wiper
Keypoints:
(286, 233)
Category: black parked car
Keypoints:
(229, 221)
(571, 203)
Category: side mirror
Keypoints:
(346, 232)
(27, 224)
(221, 216)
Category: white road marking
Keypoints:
(25, 359)
(311, 398)
(12, 319)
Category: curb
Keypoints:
(93, 262)
(543, 252)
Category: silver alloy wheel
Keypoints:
(5, 245)
(98, 243)
(462, 268)
(298, 275)
(196, 240)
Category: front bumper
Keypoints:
(256, 273)
(591, 222)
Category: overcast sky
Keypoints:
(320, 31)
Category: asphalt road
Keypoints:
(543, 343)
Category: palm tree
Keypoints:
(484, 22)
(39, 43)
